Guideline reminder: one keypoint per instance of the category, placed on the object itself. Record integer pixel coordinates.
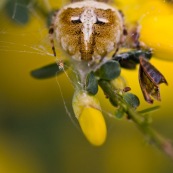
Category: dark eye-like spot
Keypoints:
(101, 21)
(51, 31)
(77, 21)
(98, 22)
(125, 32)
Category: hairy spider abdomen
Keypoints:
(88, 30)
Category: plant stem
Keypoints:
(154, 137)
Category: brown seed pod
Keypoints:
(149, 79)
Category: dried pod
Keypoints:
(149, 79)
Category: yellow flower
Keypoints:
(93, 125)
(156, 28)
(88, 112)
(156, 32)
(155, 22)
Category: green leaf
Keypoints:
(119, 113)
(149, 110)
(131, 99)
(108, 71)
(91, 84)
(18, 10)
(112, 101)
(46, 72)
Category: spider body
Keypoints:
(87, 30)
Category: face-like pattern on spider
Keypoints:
(88, 30)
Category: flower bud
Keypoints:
(119, 83)
(88, 112)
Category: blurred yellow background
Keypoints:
(36, 133)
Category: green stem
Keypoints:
(153, 136)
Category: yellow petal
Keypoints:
(82, 99)
(157, 33)
(93, 125)
(135, 10)
(155, 8)
(129, 8)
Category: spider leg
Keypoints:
(51, 35)
(130, 39)
(134, 34)
(124, 33)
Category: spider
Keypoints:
(89, 30)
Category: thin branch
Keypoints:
(154, 137)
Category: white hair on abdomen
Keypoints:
(90, 3)
(88, 18)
